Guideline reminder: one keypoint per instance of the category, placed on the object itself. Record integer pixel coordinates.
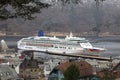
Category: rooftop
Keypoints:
(84, 67)
(7, 72)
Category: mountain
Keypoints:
(83, 17)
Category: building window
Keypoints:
(39, 70)
(35, 70)
(7, 73)
(81, 64)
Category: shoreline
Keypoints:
(63, 35)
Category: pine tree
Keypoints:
(72, 73)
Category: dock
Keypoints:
(83, 56)
(71, 55)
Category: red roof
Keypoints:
(84, 67)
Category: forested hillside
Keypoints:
(83, 17)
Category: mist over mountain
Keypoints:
(83, 17)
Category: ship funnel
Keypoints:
(40, 33)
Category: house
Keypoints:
(29, 69)
(114, 72)
(85, 69)
(8, 73)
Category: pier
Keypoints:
(71, 55)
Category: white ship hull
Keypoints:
(52, 50)
(61, 51)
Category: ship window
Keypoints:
(56, 47)
(47, 68)
(64, 47)
(35, 70)
(69, 48)
(60, 47)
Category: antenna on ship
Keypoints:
(54, 36)
(71, 34)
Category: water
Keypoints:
(112, 44)
(11, 40)
(113, 48)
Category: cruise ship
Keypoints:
(67, 45)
